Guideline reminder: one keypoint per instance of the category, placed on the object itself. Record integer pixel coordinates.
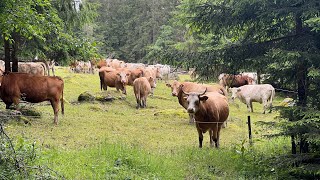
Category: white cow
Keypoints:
(262, 93)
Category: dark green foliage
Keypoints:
(127, 28)
(17, 160)
(279, 38)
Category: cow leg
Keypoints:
(265, 105)
(200, 137)
(270, 106)
(16, 101)
(138, 103)
(144, 100)
(8, 105)
(251, 107)
(55, 107)
(211, 137)
(248, 103)
(217, 134)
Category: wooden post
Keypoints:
(249, 129)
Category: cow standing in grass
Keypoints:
(262, 93)
(210, 110)
(142, 87)
(32, 88)
(113, 78)
(192, 87)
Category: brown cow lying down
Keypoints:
(210, 111)
(32, 88)
(113, 78)
(142, 87)
(193, 87)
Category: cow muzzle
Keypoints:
(191, 110)
(174, 94)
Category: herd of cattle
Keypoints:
(207, 105)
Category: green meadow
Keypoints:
(114, 140)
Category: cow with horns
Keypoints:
(210, 111)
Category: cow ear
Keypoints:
(181, 86)
(203, 98)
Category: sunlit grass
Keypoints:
(156, 142)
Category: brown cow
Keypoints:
(113, 78)
(142, 87)
(103, 62)
(230, 80)
(193, 87)
(32, 88)
(115, 63)
(153, 72)
(210, 110)
(134, 74)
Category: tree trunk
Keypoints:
(302, 71)
(258, 76)
(293, 145)
(7, 55)
(14, 53)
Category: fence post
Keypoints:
(249, 129)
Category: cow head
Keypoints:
(123, 77)
(175, 87)
(152, 82)
(158, 73)
(194, 99)
(234, 92)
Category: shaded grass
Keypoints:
(156, 142)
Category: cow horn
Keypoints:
(203, 92)
(181, 86)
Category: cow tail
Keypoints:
(62, 100)
(271, 97)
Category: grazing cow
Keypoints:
(142, 87)
(210, 110)
(113, 78)
(230, 80)
(262, 93)
(32, 88)
(192, 87)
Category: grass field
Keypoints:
(114, 140)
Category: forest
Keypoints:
(280, 38)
